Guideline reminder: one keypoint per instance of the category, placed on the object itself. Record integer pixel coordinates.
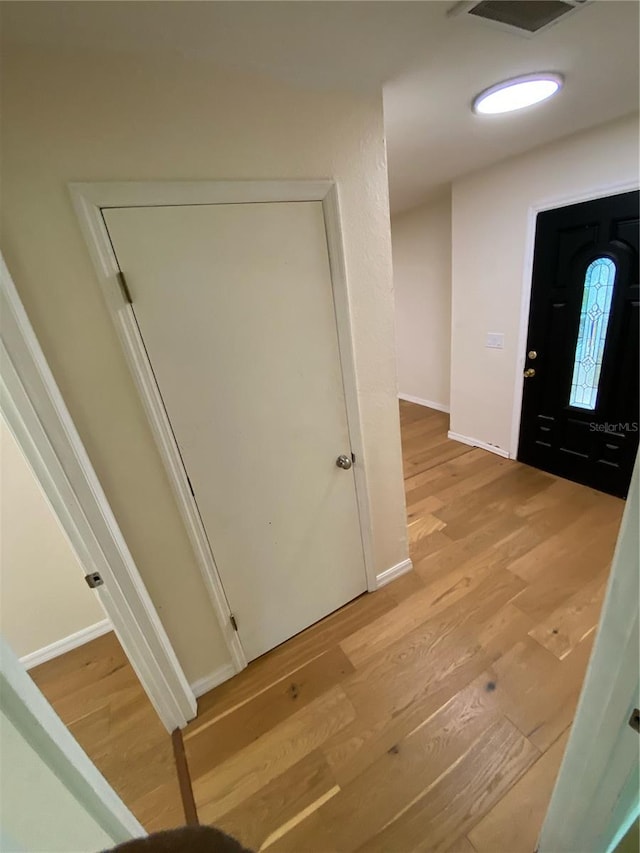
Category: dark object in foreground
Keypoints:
(187, 839)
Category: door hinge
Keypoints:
(93, 580)
(233, 621)
(193, 494)
(124, 287)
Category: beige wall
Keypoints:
(490, 214)
(422, 282)
(43, 597)
(99, 117)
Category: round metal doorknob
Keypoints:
(529, 372)
(344, 462)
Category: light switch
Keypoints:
(495, 340)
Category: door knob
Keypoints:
(529, 372)
(343, 462)
(532, 354)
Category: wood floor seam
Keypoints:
(429, 787)
(197, 727)
(298, 818)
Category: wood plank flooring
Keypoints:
(429, 714)
(424, 717)
(96, 693)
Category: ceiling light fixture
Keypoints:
(517, 93)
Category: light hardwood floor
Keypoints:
(96, 693)
(431, 715)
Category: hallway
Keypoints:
(425, 716)
(422, 717)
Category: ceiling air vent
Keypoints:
(525, 17)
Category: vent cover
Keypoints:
(529, 15)
(525, 17)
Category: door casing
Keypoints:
(37, 416)
(89, 199)
(527, 281)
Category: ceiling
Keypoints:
(431, 65)
(351, 45)
(432, 135)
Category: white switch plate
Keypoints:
(495, 340)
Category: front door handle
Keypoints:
(343, 462)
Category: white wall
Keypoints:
(43, 597)
(37, 811)
(491, 226)
(422, 282)
(91, 116)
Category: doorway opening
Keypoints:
(57, 627)
(247, 375)
(123, 691)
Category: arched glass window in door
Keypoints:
(594, 321)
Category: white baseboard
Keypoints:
(430, 404)
(66, 644)
(394, 572)
(208, 682)
(465, 439)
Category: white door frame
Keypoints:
(31, 714)
(596, 786)
(527, 282)
(89, 200)
(37, 416)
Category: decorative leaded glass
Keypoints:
(594, 319)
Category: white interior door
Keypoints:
(235, 306)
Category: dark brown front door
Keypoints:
(580, 403)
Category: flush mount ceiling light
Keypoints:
(517, 93)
